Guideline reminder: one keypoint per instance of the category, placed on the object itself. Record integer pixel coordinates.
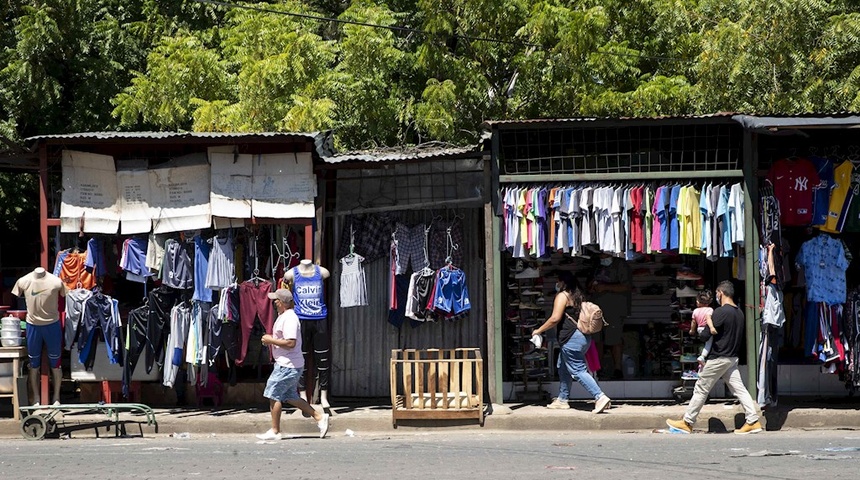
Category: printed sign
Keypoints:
(132, 179)
(284, 186)
(179, 194)
(231, 183)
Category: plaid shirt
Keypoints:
(372, 234)
(439, 245)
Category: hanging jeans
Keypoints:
(254, 303)
(134, 336)
(315, 338)
(572, 366)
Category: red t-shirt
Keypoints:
(793, 185)
(637, 234)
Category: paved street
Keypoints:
(832, 454)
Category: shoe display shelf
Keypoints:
(529, 368)
(688, 347)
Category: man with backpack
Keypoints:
(574, 336)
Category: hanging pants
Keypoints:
(134, 338)
(160, 301)
(315, 339)
(254, 303)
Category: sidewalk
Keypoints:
(366, 419)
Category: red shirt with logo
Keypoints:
(793, 182)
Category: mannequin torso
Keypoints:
(306, 269)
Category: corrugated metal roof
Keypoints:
(322, 140)
(430, 151)
(821, 120)
(532, 121)
(169, 135)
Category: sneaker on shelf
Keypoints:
(323, 425)
(559, 404)
(685, 311)
(689, 358)
(675, 304)
(529, 324)
(690, 375)
(528, 272)
(541, 299)
(601, 404)
(513, 285)
(679, 426)
(686, 292)
(537, 372)
(536, 355)
(530, 292)
(269, 435)
(529, 306)
(682, 275)
(748, 428)
(518, 266)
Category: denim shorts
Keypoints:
(283, 384)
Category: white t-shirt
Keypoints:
(287, 327)
(41, 295)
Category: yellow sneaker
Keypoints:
(748, 428)
(679, 426)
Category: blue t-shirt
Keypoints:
(724, 223)
(821, 196)
(201, 267)
(673, 217)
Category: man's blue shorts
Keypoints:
(48, 335)
(283, 384)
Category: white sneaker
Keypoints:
(269, 435)
(323, 425)
(601, 404)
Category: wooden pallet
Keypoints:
(433, 384)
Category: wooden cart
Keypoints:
(437, 384)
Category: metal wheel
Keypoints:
(34, 427)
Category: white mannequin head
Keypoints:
(39, 271)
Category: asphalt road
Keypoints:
(445, 455)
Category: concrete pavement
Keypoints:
(363, 418)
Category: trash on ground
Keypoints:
(840, 449)
(768, 453)
(349, 433)
(828, 457)
(181, 436)
(552, 467)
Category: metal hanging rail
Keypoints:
(608, 177)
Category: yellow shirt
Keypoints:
(681, 215)
(838, 194)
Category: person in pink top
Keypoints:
(702, 317)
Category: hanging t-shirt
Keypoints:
(821, 194)
(823, 262)
(724, 224)
(852, 217)
(705, 216)
(656, 239)
(674, 226)
(648, 224)
(176, 269)
(838, 195)
(793, 181)
(736, 214)
(586, 198)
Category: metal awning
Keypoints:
(772, 124)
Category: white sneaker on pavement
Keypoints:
(323, 425)
(269, 435)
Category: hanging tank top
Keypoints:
(308, 295)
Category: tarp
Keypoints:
(179, 193)
(284, 186)
(132, 180)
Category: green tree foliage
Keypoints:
(433, 70)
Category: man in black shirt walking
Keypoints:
(722, 362)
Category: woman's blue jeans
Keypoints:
(571, 366)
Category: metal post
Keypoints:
(43, 205)
(751, 244)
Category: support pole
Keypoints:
(751, 244)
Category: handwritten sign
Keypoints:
(132, 180)
(179, 194)
(89, 193)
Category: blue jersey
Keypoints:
(308, 295)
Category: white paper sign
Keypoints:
(179, 195)
(231, 183)
(284, 186)
(89, 193)
(133, 184)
